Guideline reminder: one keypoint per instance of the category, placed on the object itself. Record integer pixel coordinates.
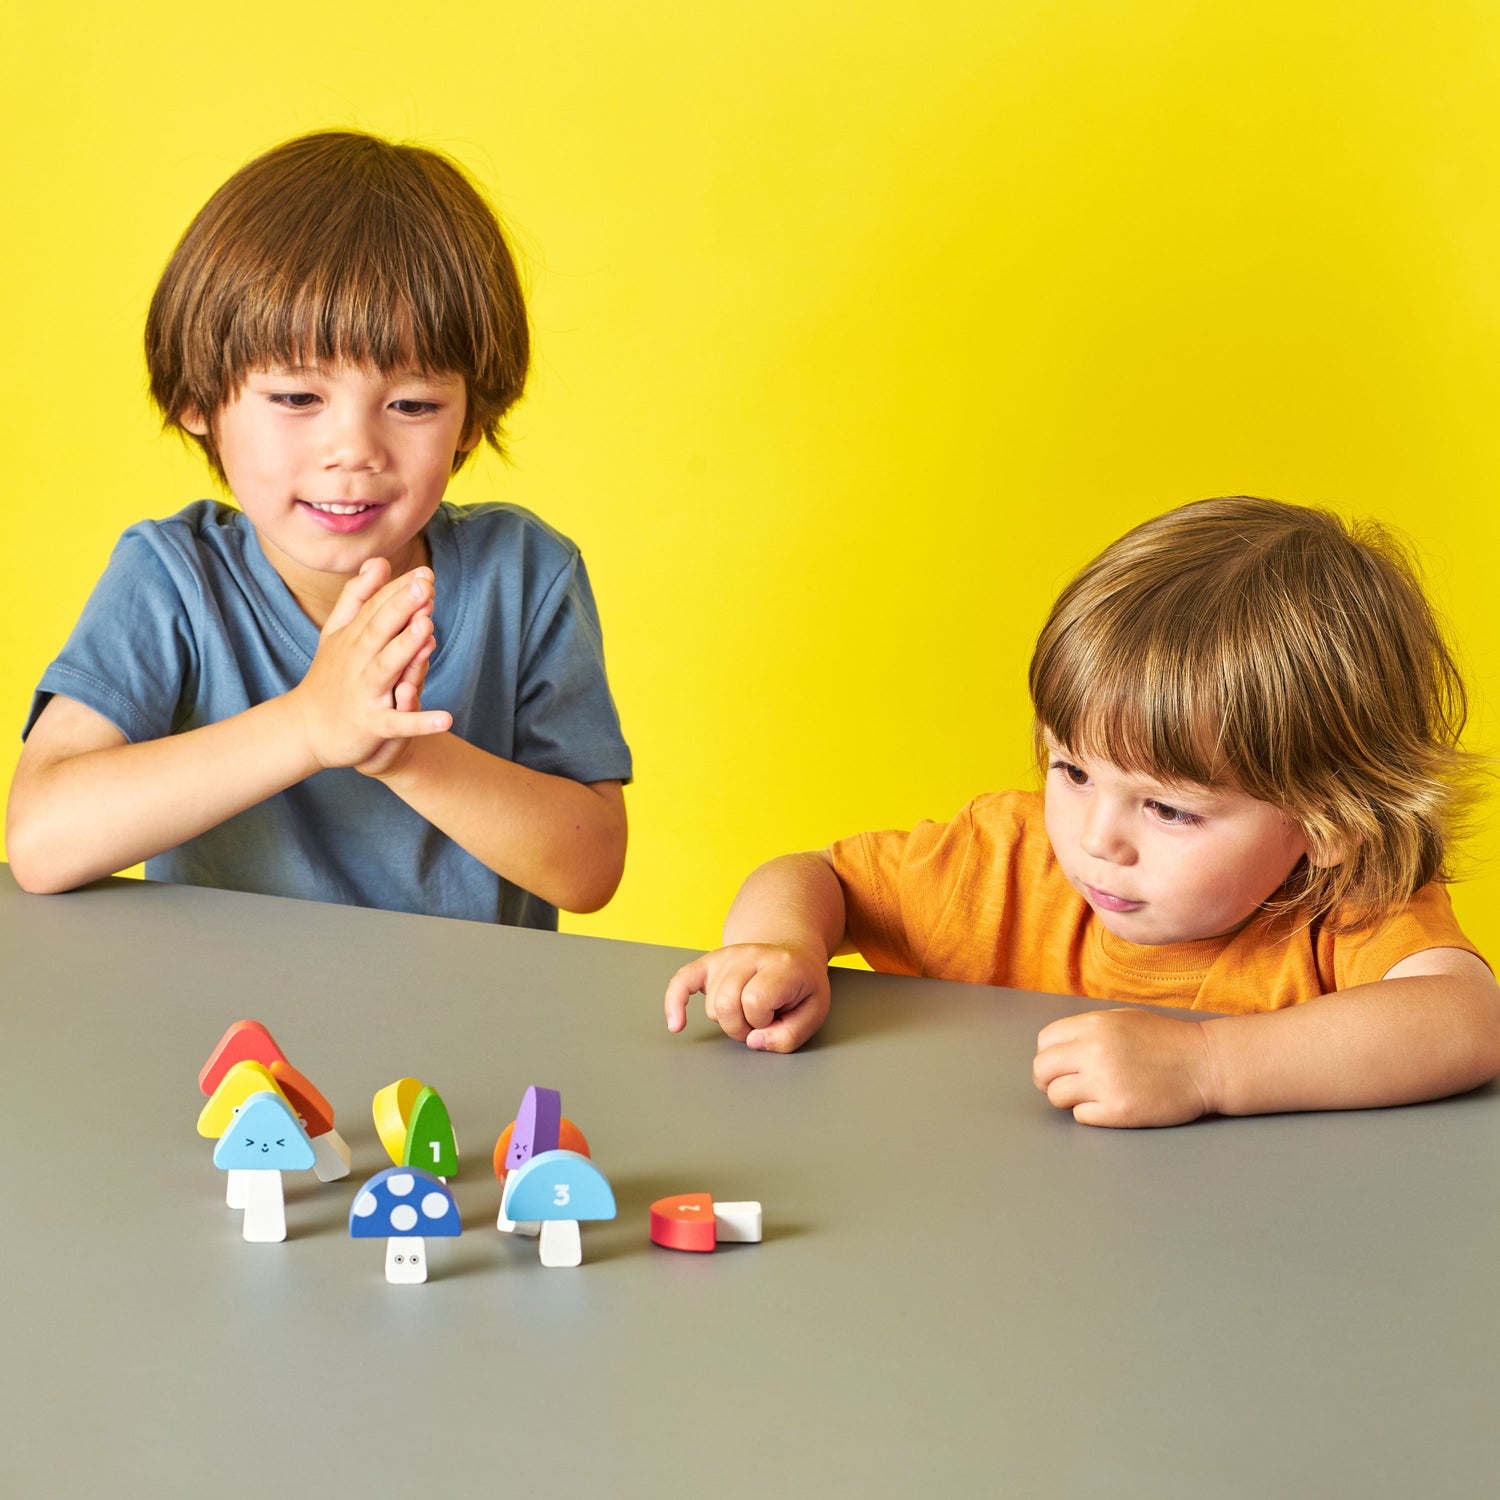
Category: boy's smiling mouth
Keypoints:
(341, 516)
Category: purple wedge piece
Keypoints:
(538, 1125)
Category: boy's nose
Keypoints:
(353, 444)
(1103, 835)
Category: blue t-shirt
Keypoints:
(191, 624)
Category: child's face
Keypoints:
(335, 464)
(1160, 864)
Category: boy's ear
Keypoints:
(1330, 852)
(191, 420)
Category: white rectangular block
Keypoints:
(737, 1223)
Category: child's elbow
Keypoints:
(1483, 1034)
(32, 865)
(592, 890)
(591, 883)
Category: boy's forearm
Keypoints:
(1397, 1041)
(561, 840)
(793, 901)
(91, 814)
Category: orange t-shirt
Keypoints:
(982, 899)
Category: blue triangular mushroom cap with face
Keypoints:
(403, 1201)
(558, 1185)
(264, 1137)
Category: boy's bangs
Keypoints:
(356, 309)
(1148, 717)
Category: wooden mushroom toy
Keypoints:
(264, 1140)
(403, 1206)
(559, 1190)
(235, 1085)
(539, 1125)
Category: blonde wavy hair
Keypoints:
(1282, 651)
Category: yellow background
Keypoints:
(860, 327)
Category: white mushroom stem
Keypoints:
(406, 1259)
(234, 1191)
(560, 1244)
(265, 1210)
(330, 1156)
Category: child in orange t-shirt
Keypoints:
(1250, 724)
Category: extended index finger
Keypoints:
(684, 984)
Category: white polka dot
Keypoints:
(403, 1217)
(364, 1205)
(434, 1205)
(401, 1184)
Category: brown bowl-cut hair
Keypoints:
(1281, 651)
(340, 247)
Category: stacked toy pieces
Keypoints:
(268, 1119)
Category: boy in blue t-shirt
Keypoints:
(347, 689)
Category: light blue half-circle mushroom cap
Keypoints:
(264, 1137)
(404, 1202)
(558, 1185)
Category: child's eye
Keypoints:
(1176, 816)
(1074, 774)
(295, 400)
(414, 408)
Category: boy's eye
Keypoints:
(296, 400)
(1075, 774)
(413, 408)
(1174, 815)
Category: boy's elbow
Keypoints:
(592, 883)
(594, 889)
(33, 870)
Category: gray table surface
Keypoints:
(960, 1290)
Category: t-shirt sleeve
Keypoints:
(1426, 921)
(900, 888)
(566, 721)
(130, 656)
(868, 866)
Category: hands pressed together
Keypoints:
(1109, 1067)
(361, 700)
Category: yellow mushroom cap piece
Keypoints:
(392, 1107)
(236, 1086)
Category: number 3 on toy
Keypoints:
(562, 1195)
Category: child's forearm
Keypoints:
(561, 840)
(74, 818)
(1397, 1041)
(795, 901)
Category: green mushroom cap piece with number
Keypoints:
(558, 1185)
(430, 1143)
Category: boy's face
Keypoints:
(335, 464)
(1164, 864)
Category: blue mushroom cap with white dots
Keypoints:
(403, 1201)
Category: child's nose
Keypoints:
(1104, 835)
(353, 443)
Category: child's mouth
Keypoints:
(1111, 902)
(341, 516)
